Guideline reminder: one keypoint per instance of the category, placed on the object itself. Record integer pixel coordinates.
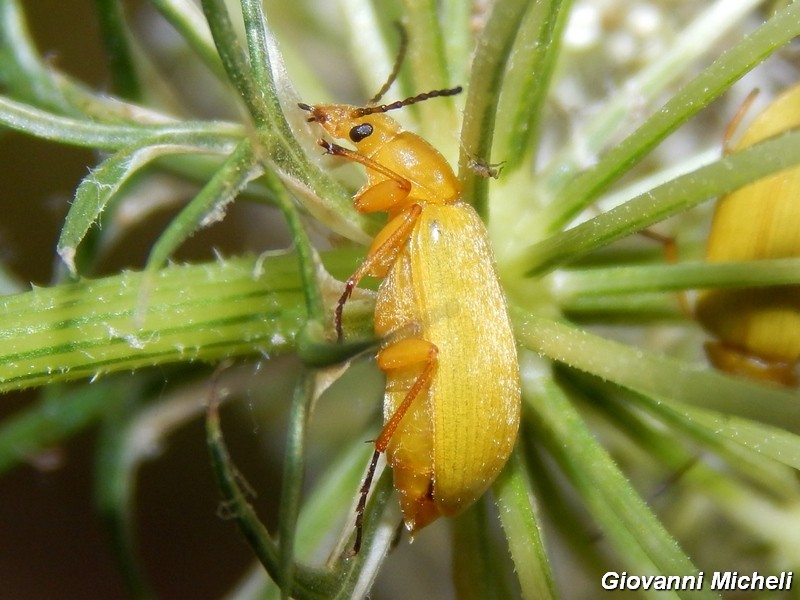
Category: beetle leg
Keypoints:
(370, 164)
(733, 126)
(671, 256)
(384, 196)
(381, 254)
(399, 355)
(730, 359)
(362, 503)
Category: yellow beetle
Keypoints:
(758, 329)
(452, 402)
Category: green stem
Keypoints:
(310, 583)
(428, 61)
(483, 95)
(527, 83)
(657, 376)
(639, 538)
(234, 59)
(210, 203)
(189, 22)
(307, 256)
(293, 472)
(575, 285)
(204, 312)
(518, 516)
(56, 418)
(24, 74)
(114, 32)
(100, 136)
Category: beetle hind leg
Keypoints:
(407, 435)
(413, 477)
(400, 355)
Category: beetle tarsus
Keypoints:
(337, 321)
(362, 504)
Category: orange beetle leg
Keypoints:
(399, 181)
(384, 248)
(732, 360)
(671, 256)
(382, 196)
(733, 126)
(402, 354)
(362, 504)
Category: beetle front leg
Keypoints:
(371, 165)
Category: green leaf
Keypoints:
(91, 134)
(527, 82)
(478, 568)
(458, 39)
(518, 515)
(22, 70)
(351, 578)
(120, 452)
(188, 20)
(761, 485)
(372, 50)
(642, 544)
(100, 187)
(293, 473)
(427, 61)
(117, 40)
(733, 437)
(658, 376)
(574, 285)
(264, 77)
(234, 59)
(209, 205)
(307, 582)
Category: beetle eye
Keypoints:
(359, 132)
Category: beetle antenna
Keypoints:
(398, 62)
(382, 108)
